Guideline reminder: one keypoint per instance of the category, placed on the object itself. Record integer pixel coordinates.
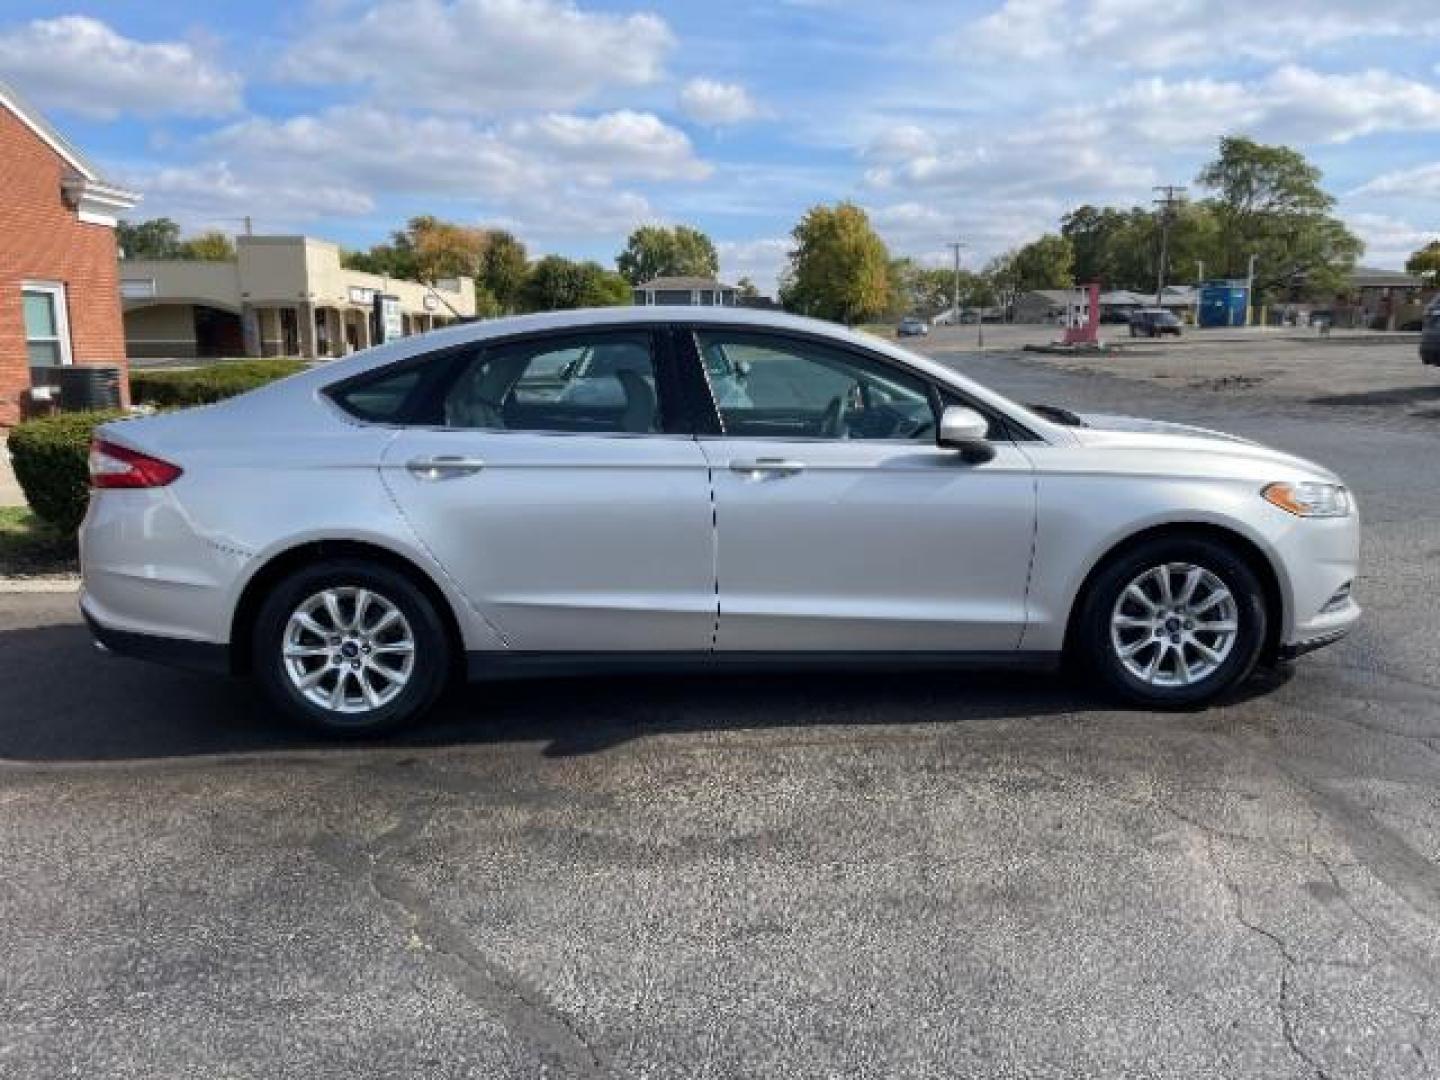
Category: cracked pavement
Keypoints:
(892, 875)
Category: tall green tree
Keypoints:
(157, 238)
(503, 267)
(1268, 202)
(839, 268)
(1046, 263)
(656, 251)
(213, 246)
(426, 249)
(1425, 264)
(556, 283)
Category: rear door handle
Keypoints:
(444, 467)
(767, 466)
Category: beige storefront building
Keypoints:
(281, 296)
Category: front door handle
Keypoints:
(444, 467)
(768, 466)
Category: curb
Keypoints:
(39, 586)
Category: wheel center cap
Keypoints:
(1172, 624)
(350, 650)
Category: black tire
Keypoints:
(1098, 656)
(431, 657)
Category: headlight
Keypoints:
(1309, 499)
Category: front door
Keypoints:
(841, 525)
(558, 490)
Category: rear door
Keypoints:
(557, 484)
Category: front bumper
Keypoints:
(1300, 648)
(175, 652)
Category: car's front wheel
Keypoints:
(350, 648)
(1174, 622)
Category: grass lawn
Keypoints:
(30, 548)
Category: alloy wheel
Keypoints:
(348, 650)
(1174, 625)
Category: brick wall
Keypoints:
(42, 239)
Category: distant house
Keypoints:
(685, 292)
(59, 299)
(1041, 305)
(1387, 299)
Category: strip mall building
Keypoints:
(280, 296)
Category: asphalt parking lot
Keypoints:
(904, 875)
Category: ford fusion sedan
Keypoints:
(654, 488)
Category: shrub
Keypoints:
(202, 386)
(50, 455)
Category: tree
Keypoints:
(746, 289)
(556, 283)
(503, 268)
(213, 246)
(1268, 203)
(427, 249)
(1046, 263)
(157, 238)
(839, 268)
(1425, 264)
(656, 251)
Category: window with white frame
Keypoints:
(47, 329)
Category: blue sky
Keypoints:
(572, 122)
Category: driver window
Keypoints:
(770, 387)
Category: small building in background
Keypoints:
(280, 296)
(686, 292)
(58, 300)
(1041, 305)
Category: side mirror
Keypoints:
(965, 430)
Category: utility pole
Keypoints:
(1167, 203)
(955, 246)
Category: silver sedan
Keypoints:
(648, 488)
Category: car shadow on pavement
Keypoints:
(62, 702)
(1421, 400)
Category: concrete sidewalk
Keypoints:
(10, 493)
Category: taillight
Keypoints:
(114, 466)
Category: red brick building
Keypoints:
(59, 289)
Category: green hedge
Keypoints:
(202, 386)
(50, 455)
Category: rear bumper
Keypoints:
(176, 652)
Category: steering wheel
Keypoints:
(832, 423)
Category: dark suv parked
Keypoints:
(1152, 322)
(1430, 335)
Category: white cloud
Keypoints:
(1183, 33)
(1389, 241)
(759, 260)
(622, 143)
(1420, 182)
(986, 228)
(553, 174)
(78, 63)
(901, 142)
(709, 102)
(482, 55)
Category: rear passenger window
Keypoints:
(603, 384)
(382, 399)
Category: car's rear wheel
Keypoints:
(350, 648)
(1174, 622)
